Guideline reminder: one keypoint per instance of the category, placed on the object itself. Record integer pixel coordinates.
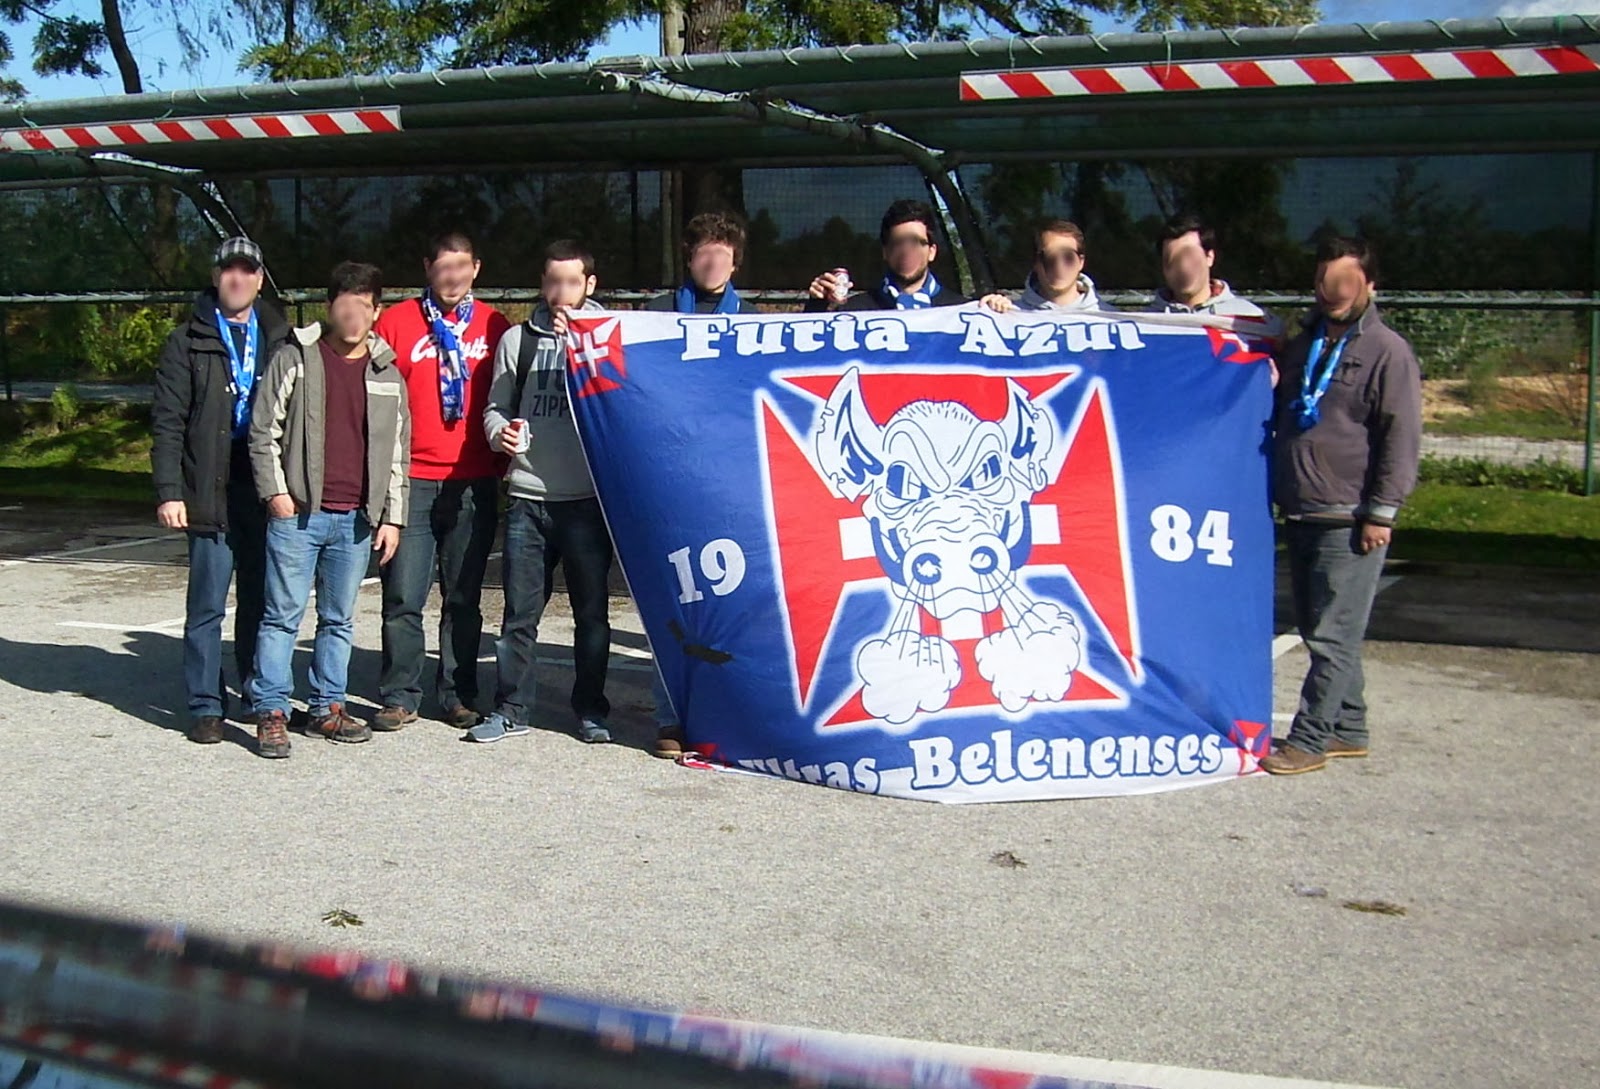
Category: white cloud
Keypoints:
(1535, 9)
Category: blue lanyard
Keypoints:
(1308, 406)
(244, 369)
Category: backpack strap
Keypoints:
(526, 351)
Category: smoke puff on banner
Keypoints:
(943, 554)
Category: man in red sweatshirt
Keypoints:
(444, 343)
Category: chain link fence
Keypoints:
(1508, 379)
(1497, 295)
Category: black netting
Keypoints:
(1468, 222)
(1440, 223)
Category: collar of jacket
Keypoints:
(1034, 299)
(382, 356)
(1368, 316)
(203, 320)
(1219, 291)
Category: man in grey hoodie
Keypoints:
(554, 516)
(1188, 252)
(1058, 280)
(1346, 445)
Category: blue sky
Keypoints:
(157, 49)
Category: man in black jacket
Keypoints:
(201, 463)
(909, 237)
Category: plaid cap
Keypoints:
(239, 249)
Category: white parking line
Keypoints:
(165, 626)
(52, 557)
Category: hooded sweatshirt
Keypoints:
(1032, 299)
(1222, 301)
(553, 467)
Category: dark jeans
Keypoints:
(448, 535)
(538, 536)
(1334, 585)
(238, 555)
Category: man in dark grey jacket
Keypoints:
(1347, 439)
(553, 516)
(201, 465)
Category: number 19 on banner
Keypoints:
(721, 564)
(1170, 537)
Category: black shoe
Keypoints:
(206, 730)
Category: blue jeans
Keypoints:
(237, 555)
(448, 536)
(331, 550)
(540, 535)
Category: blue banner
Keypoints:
(945, 554)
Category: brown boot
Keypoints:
(669, 742)
(392, 718)
(1289, 760)
(206, 730)
(1338, 749)
(461, 717)
(335, 725)
(272, 735)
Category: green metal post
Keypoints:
(1590, 411)
(5, 351)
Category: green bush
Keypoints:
(124, 344)
(1541, 475)
(1448, 341)
(89, 341)
(65, 407)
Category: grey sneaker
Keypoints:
(496, 728)
(594, 731)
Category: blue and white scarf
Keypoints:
(686, 299)
(242, 369)
(447, 335)
(912, 300)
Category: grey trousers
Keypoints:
(1334, 584)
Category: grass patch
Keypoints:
(104, 455)
(1494, 524)
(1463, 512)
(1541, 475)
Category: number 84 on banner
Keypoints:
(1171, 538)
